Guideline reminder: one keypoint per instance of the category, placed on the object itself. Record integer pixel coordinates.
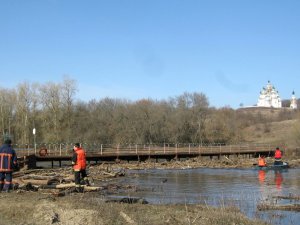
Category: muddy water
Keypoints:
(243, 188)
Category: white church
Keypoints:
(269, 97)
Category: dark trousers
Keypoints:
(5, 181)
(278, 162)
(79, 175)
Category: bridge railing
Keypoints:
(64, 149)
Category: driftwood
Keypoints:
(40, 177)
(36, 182)
(28, 187)
(117, 173)
(70, 185)
(18, 181)
(21, 173)
(292, 207)
(128, 200)
(290, 197)
(108, 174)
(60, 182)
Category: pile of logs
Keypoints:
(59, 181)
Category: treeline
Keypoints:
(52, 109)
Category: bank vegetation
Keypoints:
(59, 117)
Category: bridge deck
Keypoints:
(156, 152)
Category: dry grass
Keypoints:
(85, 209)
(275, 132)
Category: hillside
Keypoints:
(282, 133)
(270, 113)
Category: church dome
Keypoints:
(269, 97)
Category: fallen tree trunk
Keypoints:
(290, 197)
(108, 174)
(293, 207)
(36, 182)
(114, 174)
(70, 185)
(39, 177)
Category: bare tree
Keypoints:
(23, 112)
(51, 99)
(7, 100)
(68, 92)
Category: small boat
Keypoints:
(284, 165)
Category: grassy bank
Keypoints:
(85, 209)
(34, 208)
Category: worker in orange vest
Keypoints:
(278, 156)
(79, 167)
(262, 161)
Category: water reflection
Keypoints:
(278, 179)
(273, 184)
(261, 176)
(243, 188)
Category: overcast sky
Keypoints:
(134, 49)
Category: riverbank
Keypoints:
(40, 206)
(87, 209)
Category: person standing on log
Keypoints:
(8, 161)
(79, 166)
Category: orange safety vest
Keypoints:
(81, 160)
(8, 158)
(278, 154)
(261, 162)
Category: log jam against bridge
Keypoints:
(141, 152)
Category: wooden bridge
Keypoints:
(106, 153)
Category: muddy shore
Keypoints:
(46, 207)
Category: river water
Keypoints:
(242, 188)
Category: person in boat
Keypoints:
(262, 161)
(278, 156)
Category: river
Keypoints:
(242, 188)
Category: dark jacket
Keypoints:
(8, 158)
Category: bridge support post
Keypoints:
(30, 161)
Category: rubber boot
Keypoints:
(79, 189)
(6, 188)
(87, 182)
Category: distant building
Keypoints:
(293, 101)
(269, 97)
